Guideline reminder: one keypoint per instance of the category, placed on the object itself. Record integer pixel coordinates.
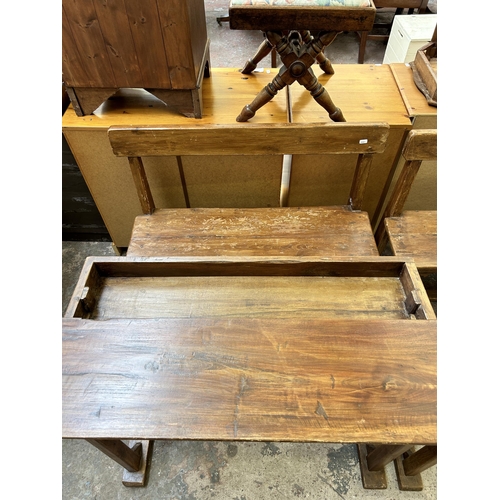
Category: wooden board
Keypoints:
(250, 379)
(326, 231)
(414, 235)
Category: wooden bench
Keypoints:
(248, 348)
(263, 299)
(343, 230)
(412, 233)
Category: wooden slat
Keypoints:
(87, 35)
(265, 18)
(421, 145)
(414, 235)
(285, 138)
(73, 69)
(320, 231)
(251, 379)
(146, 32)
(115, 27)
(174, 18)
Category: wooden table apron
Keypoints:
(363, 92)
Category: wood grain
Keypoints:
(117, 34)
(414, 235)
(421, 145)
(250, 379)
(87, 37)
(283, 138)
(318, 287)
(319, 231)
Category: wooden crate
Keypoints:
(158, 45)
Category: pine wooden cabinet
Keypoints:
(157, 45)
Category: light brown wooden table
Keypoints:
(364, 92)
(248, 348)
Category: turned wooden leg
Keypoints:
(134, 458)
(264, 49)
(263, 97)
(321, 95)
(323, 61)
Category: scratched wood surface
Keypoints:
(414, 235)
(252, 287)
(325, 231)
(338, 380)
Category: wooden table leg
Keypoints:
(410, 464)
(373, 459)
(134, 458)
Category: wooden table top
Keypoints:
(251, 379)
(414, 100)
(225, 348)
(364, 92)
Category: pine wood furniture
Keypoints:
(287, 28)
(399, 6)
(298, 349)
(366, 94)
(412, 233)
(159, 45)
(327, 230)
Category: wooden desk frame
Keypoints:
(379, 355)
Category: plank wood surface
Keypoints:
(186, 287)
(414, 235)
(320, 231)
(340, 230)
(250, 379)
(255, 139)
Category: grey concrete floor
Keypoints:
(198, 470)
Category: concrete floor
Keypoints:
(191, 470)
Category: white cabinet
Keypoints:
(408, 35)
